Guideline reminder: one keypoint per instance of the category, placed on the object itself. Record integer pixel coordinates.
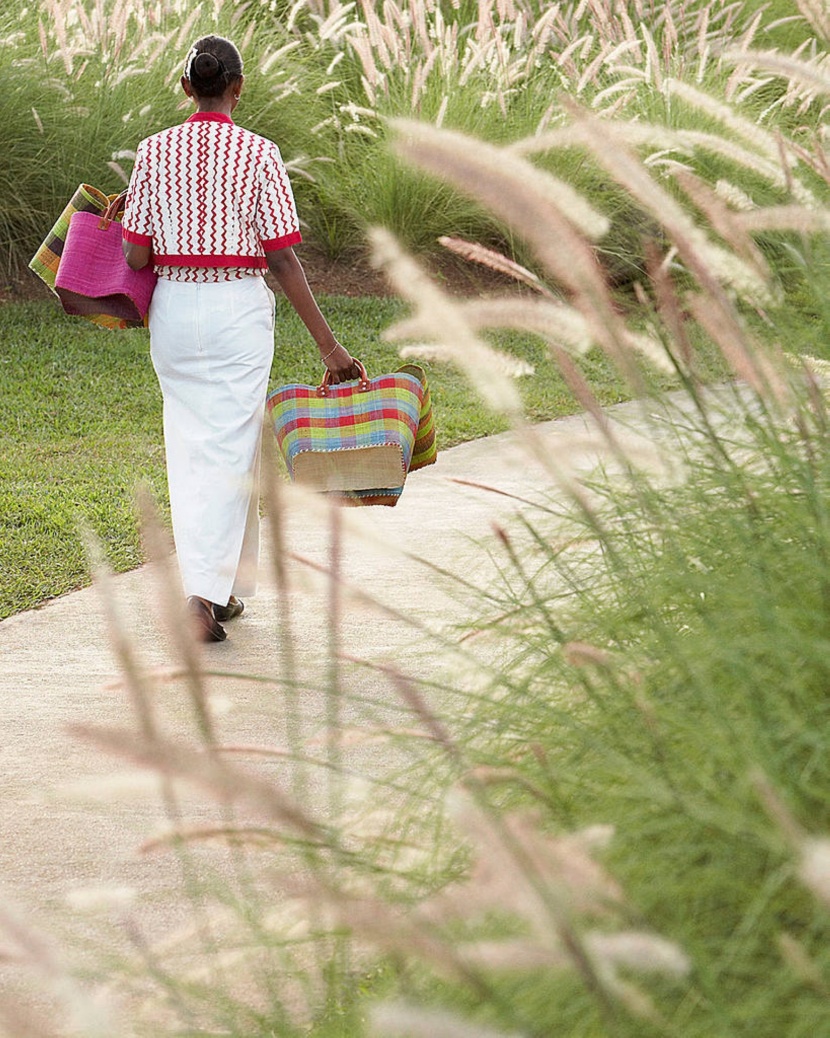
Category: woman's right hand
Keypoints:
(342, 366)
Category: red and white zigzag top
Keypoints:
(210, 195)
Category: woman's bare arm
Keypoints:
(288, 271)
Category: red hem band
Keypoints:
(210, 261)
(272, 245)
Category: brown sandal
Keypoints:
(205, 625)
(234, 608)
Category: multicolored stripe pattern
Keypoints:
(47, 259)
(395, 410)
(425, 450)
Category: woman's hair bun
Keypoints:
(211, 64)
(206, 66)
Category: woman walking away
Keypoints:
(211, 207)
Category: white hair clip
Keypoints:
(188, 64)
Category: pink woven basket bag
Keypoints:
(93, 276)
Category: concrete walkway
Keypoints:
(72, 818)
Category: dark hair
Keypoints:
(213, 63)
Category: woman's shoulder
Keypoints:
(160, 136)
(257, 140)
(238, 137)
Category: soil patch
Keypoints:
(345, 276)
(355, 276)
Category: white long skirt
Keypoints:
(212, 345)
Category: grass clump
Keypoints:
(90, 80)
(682, 700)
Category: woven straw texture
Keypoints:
(358, 444)
(46, 260)
(361, 468)
(93, 275)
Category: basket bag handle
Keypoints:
(112, 210)
(363, 384)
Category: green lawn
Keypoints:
(80, 420)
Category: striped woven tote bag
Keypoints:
(357, 440)
(46, 260)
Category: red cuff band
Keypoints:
(273, 244)
(136, 239)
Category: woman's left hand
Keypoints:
(342, 365)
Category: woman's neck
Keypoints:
(214, 105)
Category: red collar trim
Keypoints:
(210, 117)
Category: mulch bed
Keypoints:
(352, 276)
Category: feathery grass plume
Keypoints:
(651, 350)
(817, 14)
(796, 956)
(405, 933)
(814, 868)
(777, 173)
(724, 221)
(734, 196)
(627, 950)
(85, 1016)
(622, 91)
(812, 77)
(706, 263)
(506, 170)
(786, 218)
(726, 115)
(501, 363)
(442, 320)
(18, 1020)
(743, 356)
(486, 775)
(580, 654)
(548, 882)
(645, 953)
(668, 141)
(174, 610)
(276, 503)
(554, 322)
(529, 201)
(669, 309)
(100, 899)
(495, 261)
(578, 385)
(242, 835)
(544, 879)
(817, 160)
(399, 1020)
(412, 696)
(138, 685)
(774, 805)
(567, 137)
(516, 955)
(225, 783)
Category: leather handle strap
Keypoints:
(112, 210)
(362, 383)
